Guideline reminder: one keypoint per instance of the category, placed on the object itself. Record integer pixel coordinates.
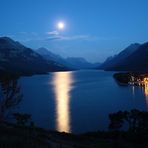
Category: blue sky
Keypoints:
(95, 29)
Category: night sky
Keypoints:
(94, 29)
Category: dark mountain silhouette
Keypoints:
(137, 61)
(113, 62)
(16, 58)
(70, 62)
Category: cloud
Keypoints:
(68, 38)
(52, 38)
(76, 37)
(81, 37)
(54, 33)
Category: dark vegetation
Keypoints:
(122, 78)
(10, 95)
(25, 134)
(136, 125)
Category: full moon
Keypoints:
(60, 25)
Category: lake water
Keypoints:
(78, 101)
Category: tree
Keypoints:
(135, 119)
(22, 118)
(143, 121)
(116, 120)
(132, 118)
(10, 97)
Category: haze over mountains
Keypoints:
(70, 62)
(133, 58)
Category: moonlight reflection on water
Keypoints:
(62, 86)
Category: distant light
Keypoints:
(60, 25)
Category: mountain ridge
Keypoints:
(136, 61)
(16, 58)
(120, 57)
(71, 62)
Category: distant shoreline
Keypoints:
(131, 78)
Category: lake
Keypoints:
(77, 101)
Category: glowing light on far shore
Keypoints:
(146, 89)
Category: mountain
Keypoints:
(112, 62)
(137, 61)
(81, 63)
(48, 55)
(16, 58)
(70, 62)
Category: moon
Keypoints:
(60, 25)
